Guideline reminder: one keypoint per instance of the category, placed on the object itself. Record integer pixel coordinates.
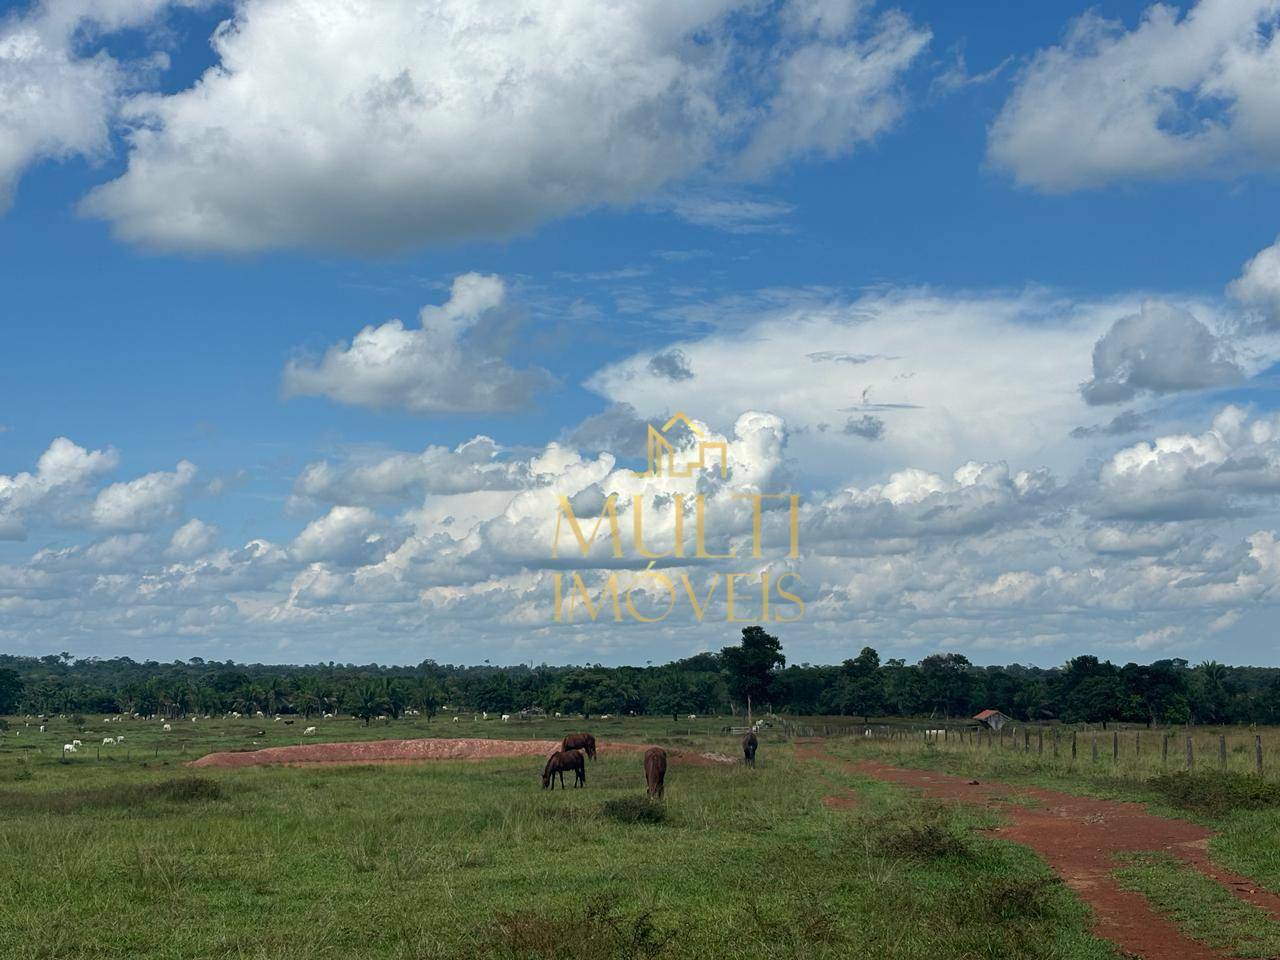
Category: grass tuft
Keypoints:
(918, 832)
(599, 932)
(634, 810)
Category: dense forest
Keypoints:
(1085, 689)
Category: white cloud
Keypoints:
(469, 467)
(56, 99)
(347, 536)
(1258, 286)
(144, 503)
(65, 468)
(193, 538)
(446, 365)
(375, 124)
(1178, 476)
(1174, 96)
(1014, 403)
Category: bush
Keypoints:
(1216, 793)
(634, 810)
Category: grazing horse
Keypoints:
(559, 762)
(749, 744)
(655, 770)
(580, 741)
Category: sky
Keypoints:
(316, 314)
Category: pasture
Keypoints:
(137, 855)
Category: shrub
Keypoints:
(1216, 793)
(634, 810)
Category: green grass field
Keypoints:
(138, 856)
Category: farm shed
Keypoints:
(992, 719)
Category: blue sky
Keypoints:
(944, 217)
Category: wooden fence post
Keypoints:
(1191, 755)
(1073, 745)
(1115, 746)
(1222, 751)
(1257, 753)
(1026, 740)
(1137, 744)
(1040, 743)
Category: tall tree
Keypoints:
(750, 666)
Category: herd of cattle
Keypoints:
(570, 758)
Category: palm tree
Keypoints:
(369, 700)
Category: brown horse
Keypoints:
(749, 744)
(559, 762)
(580, 741)
(655, 770)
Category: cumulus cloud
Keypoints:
(57, 98)
(449, 364)
(1258, 286)
(192, 539)
(143, 503)
(65, 468)
(1177, 94)
(1161, 349)
(345, 536)
(1219, 472)
(469, 467)
(386, 123)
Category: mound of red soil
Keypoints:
(409, 751)
(381, 751)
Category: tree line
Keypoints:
(944, 685)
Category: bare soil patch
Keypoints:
(1079, 837)
(415, 751)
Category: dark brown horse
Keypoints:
(749, 744)
(655, 770)
(559, 762)
(580, 741)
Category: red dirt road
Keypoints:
(1078, 837)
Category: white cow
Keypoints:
(506, 717)
(167, 728)
(119, 738)
(693, 716)
(68, 748)
(308, 731)
(42, 728)
(76, 743)
(455, 719)
(108, 741)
